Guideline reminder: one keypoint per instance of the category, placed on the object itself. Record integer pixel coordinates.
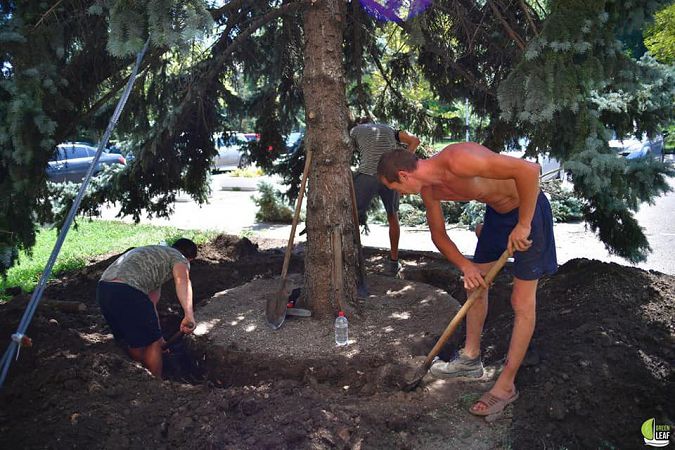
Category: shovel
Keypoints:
(275, 309)
(175, 337)
(336, 273)
(454, 323)
(361, 287)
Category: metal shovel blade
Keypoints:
(275, 310)
(298, 312)
(411, 384)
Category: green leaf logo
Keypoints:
(648, 429)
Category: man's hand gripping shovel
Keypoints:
(188, 327)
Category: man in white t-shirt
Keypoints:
(372, 140)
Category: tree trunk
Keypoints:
(328, 198)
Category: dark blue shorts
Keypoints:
(366, 187)
(538, 260)
(129, 313)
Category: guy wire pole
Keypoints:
(18, 337)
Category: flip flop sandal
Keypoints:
(494, 404)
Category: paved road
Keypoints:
(233, 211)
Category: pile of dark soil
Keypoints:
(601, 363)
(603, 360)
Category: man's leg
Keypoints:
(523, 301)
(150, 357)
(390, 200)
(468, 363)
(475, 319)
(365, 188)
(394, 235)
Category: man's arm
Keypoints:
(440, 238)
(181, 278)
(411, 141)
(471, 160)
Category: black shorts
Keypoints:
(366, 187)
(538, 260)
(129, 313)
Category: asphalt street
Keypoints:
(231, 210)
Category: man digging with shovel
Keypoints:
(518, 218)
(129, 291)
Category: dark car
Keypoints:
(71, 162)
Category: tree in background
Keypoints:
(573, 86)
(660, 35)
(553, 71)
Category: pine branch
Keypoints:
(542, 10)
(394, 90)
(526, 10)
(357, 42)
(217, 62)
(49, 11)
(512, 34)
(391, 87)
(432, 47)
(117, 87)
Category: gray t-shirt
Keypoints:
(373, 140)
(145, 268)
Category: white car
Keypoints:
(633, 148)
(231, 150)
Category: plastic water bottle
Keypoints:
(341, 329)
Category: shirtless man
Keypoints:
(129, 291)
(518, 218)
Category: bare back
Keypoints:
(469, 171)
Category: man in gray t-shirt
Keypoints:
(372, 140)
(129, 291)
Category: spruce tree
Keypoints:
(553, 71)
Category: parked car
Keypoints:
(231, 150)
(251, 137)
(293, 141)
(71, 162)
(633, 148)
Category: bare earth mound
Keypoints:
(384, 332)
(601, 363)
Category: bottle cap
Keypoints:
(341, 314)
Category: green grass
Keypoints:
(89, 240)
(247, 172)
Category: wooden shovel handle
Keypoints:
(175, 337)
(296, 215)
(337, 267)
(454, 323)
(355, 212)
(357, 232)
